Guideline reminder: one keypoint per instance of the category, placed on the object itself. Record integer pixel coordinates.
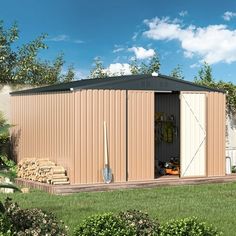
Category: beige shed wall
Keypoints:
(92, 108)
(140, 135)
(216, 134)
(67, 128)
(44, 128)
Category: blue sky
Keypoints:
(184, 32)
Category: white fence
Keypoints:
(231, 152)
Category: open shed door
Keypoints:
(193, 135)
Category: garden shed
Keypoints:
(152, 122)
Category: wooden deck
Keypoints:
(163, 181)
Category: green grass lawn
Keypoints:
(214, 203)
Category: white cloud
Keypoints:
(118, 69)
(142, 53)
(118, 50)
(78, 41)
(213, 44)
(195, 65)
(228, 15)
(135, 36)
(183, 13)
(64, 38)
(59, 38)
(188, 54)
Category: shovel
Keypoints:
(107, 173)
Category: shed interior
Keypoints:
(167, 134)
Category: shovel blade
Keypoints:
(107, 175)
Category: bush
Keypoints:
(188, 227)
(140, 222)
(8, 167)
(31, 221)
(6, 227)
(4, 131)
(104, 225)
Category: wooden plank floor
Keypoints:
(163, 181)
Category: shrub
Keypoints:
(188, 227)
(104, 225)
(4, 131)
(6, 228)
(9, 167)
(31, 221)
(140, 222)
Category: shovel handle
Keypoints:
(105, 144)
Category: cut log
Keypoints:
(41, 170)
(60, 183)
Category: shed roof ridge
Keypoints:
(120, 82)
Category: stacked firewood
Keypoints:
(42, 170)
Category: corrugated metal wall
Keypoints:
(193, 134)
(68, 129)
(216, 134)
(44, 127)
(92, 108)
(140, 135)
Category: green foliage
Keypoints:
(5, 163)
(177, 72)
(21, 65)
(134, 67)
(105, 224)
(98, 71)
(70, 75)
(188, 227)
(141, 223)
(30, 221)
(9, 167)
(205, 78)
(6, 228)
(153, 65)
(233, 169)
(4, 130)
(136, 223)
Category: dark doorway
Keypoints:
(167, 136)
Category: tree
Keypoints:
(136, 68)
(177, 72)
(21, 65)
(98, 71)
(70, 75)
(205, 75)
(153, 65)
(205, 78)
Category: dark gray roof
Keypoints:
(126, 82)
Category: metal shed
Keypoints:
(64, 123)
